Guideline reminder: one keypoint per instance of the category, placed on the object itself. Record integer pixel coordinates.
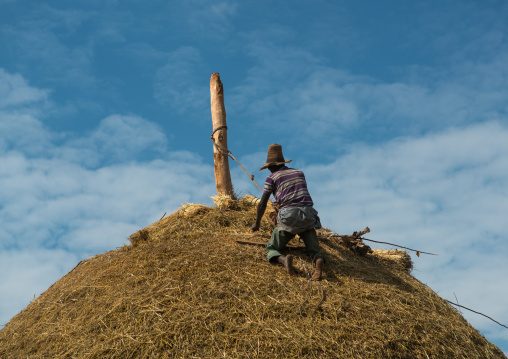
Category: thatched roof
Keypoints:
(185, 288)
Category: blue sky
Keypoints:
(397, 113)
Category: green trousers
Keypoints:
(281, 238)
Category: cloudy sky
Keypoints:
(397, 112)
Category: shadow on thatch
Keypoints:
(185, 288)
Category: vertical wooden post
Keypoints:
(220, 138)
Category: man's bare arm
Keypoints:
(260, 211)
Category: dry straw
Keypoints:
(185, 288)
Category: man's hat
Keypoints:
(274, 156)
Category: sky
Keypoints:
(396, 111)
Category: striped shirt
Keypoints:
(289, 188)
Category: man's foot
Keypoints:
(319, 270)
(287, 262)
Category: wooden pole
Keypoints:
(220, 138)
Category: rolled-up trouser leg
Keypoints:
(309, 237)
(276, 244)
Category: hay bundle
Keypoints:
(190, 210)
(139, 237)
(188, 290)
(249, 200)
(398, 256)
(225, 202)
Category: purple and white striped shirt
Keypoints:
(289, 188)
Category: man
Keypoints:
(296, 214)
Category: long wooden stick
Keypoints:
(474, 311)
(396, 245)
(366, 230)
(220, 138)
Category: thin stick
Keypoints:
(240, 241)
(457, 301)
(486, 316)
(396, 245)
(250, 176)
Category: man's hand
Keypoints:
(260, 211)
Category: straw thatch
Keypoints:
(185, 288)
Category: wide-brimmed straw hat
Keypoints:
(274, 156)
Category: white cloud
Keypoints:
(56, 200)
(23, 131)
(337, 105)
(15, 92)
(26, 274)
(117, 139)
(41, 36)
(177, 83)
(444, 172)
